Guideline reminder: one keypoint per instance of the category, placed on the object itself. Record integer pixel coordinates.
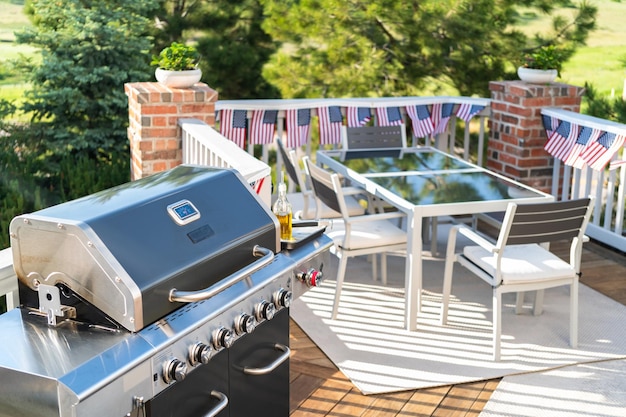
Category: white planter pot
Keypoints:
(536, 76)
(178, 79)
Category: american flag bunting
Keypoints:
(598, 153)
(330, 123)
(358, 116)
(298, 126)
(586, 136)
(550, 124)
(263, 126)
(233, 125)
(562, 140)
(388, 116)
(442, 122)
(466, 111)
(420, 120)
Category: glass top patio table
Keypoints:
(425, 182)
(425, 176)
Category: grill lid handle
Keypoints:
(192, 296)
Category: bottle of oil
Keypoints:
(282, 210)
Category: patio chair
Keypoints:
(373, 137)
(303, 203)
(521, 261)
(368, 234)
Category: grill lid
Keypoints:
(124, 249)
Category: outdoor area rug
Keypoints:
(369, 344)
(594, 389)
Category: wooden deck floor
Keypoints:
(318, 388)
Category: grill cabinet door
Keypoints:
(260, 395)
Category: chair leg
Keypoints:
(447, 287)
(374, 260)
(383, 267)
(497, 323)
(573, 311)
(433, 236)
(538, 308)
(341, 273)
(519, 303)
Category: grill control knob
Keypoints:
(245, 323)
(174, 370)
(223, 338)
(312, 277)
(264, 311)
(199, 353)
(282, 298)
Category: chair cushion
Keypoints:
(370, 234)
(521, 263)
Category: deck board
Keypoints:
(319, 389)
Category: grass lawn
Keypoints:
(12, 19)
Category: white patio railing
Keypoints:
(607, 185)
(8, 279)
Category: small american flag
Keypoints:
(298, 126)
(466, 111)
(330, 123)
(586, 136)
(388, 116)
(263, 126)
(599, 153)
(616, 163)
(549, 124)
(562, 140)
(358, 116)
(233, 125)
(420, 119)
(442, 123)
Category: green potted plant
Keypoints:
(541, 65)
(177, 66)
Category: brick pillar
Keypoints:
(517, 136)
(153, 131)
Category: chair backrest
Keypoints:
(324, 186)
(374, 137)
(545, 222)
(292, 171)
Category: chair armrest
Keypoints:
(377, 216)
(353, 190)
(477, 238)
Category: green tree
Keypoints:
(335, 48)
(89, 49)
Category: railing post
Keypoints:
(517, 136)
(153, 131)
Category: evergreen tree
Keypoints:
(89, 49)
(336, 48)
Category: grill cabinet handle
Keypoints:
(269, 368)
(220, 406)
(192, 296)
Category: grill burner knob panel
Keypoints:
(282, 298)
(264, 311)
(200, 353)
(244, 323)
(174, 370)
(223, 338)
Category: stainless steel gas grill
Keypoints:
(167, 296)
